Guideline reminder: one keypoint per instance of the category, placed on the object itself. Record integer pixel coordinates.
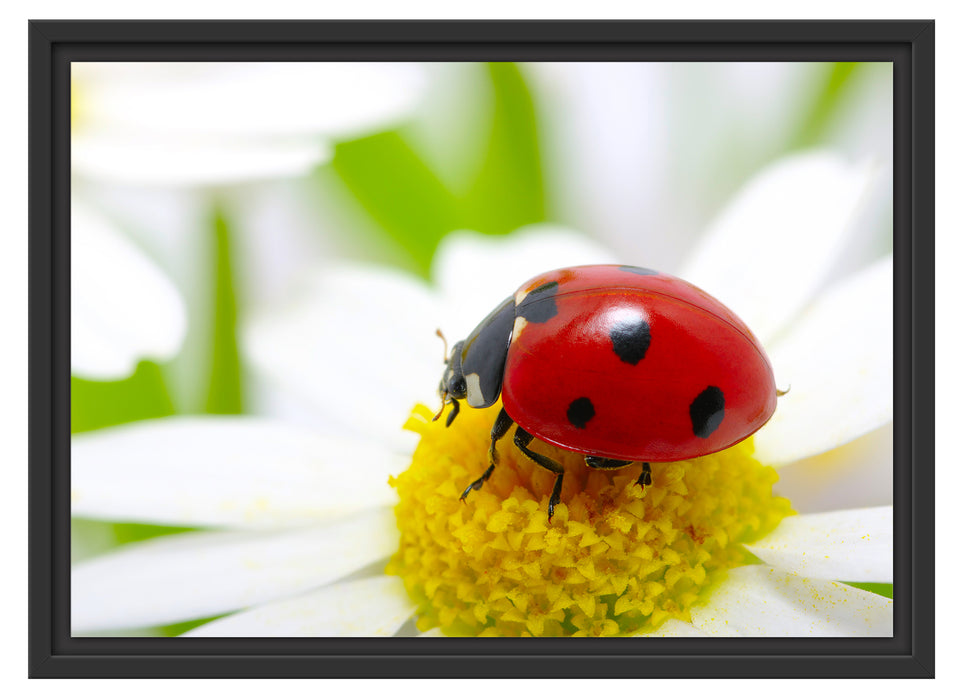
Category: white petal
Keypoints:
(847, 545)
(123, 307)
(372, 607)
(195, 575)
(610, 152)
(773, 246)
(675, 628)
(756, 601)
(858, 474)
(644, 178)
(359, 345)
(189, 124)
(248, 99)
(213, 471)
(475, 272)
(165, 159)
(837, 362)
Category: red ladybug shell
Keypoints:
(627, 363)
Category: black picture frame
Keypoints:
(909, 45)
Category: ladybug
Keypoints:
(621, 364)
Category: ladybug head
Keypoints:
(452, 383)
(474, 370)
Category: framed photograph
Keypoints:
(386, 348)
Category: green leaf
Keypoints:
(508, 191)
(826, 103)
(413, 205)
(224, 394)
(396, 187)
(95, 404)
(883, 589)
(90, 538)
(126, 533)
(176, 629)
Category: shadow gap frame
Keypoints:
(909, 45)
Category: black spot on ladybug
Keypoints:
(539, 305)
(580, 412)
(638, 270)
(707, 410)
(631, 339)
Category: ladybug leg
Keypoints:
(453, 413)
(606, 463)
(500, 428)
(646, 478)
(522, 439)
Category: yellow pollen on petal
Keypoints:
(78, 105)
(616, 559)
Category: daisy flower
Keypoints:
(176, 128)
(340, 531)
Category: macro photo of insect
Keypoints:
(481, 349)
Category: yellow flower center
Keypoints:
(616, 559)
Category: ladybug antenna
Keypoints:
(445, 354)
(780, 392)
